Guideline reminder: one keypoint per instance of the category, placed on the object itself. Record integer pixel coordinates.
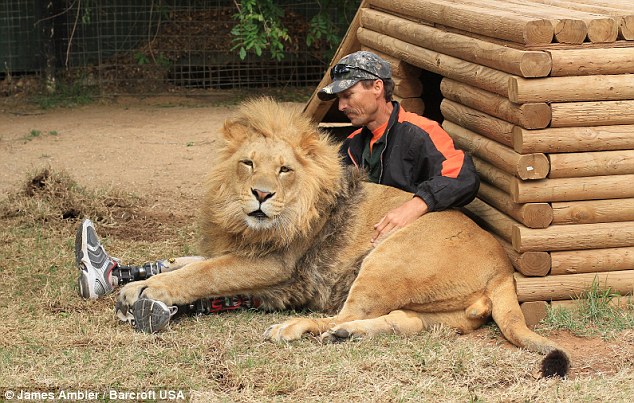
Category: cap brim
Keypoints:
(330, 91)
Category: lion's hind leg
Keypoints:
(403, 322)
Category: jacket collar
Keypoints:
(396, 110)
(355, 148)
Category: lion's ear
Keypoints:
(234, 131)
(311, 143)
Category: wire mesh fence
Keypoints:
(149, 46)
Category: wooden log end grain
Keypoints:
(626, 27)
(534, 264)
(532, 166)
(534, 312)
(537, 215)
(570, 31)
(535, 115)
(535, 64)
(603, 30)
(538, 32)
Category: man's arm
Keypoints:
(401, 216)
(446, 178)
(442, 192)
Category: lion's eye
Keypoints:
(248, 163)
(284, 169)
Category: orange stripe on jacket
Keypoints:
(454, 158)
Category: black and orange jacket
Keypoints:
(418, 157)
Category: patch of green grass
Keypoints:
(34, 133)
(596, 314)
(67, 96)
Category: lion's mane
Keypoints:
(320, 181)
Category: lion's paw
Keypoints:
(290, 330)
(343, 332)
(331, 337)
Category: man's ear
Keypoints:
(378, 88)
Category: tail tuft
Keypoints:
(556, 363)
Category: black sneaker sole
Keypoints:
(151, 316)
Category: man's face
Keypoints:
(361, 104)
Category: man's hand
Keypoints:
(406, 213)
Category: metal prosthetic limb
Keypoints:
(125, 274)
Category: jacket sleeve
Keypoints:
(446, 176)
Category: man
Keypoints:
(394, 147)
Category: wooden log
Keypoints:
(494, 176)
(315, 108)
(447, 66)
(408, 87)
(570, 286)
(528, 115)
(592, 61)
(491, 219)
(399, 67)
(601, 28)
(567, 29)
(574, 237)
(625, 5)
(528, 263)
(569, 189)
(573, 139)
(592, 260)
(624, 302)
(572, 88)
(493, 128)
(524, 166)
(593, 211)
(481, 20)
(504, 58)
(625, 22)
(573, 114)
(534, 312)
(532, 215)
(414, 105)
(569, 165)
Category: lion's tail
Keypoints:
(510, 319)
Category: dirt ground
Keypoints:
(161, 148)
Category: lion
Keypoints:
(285, 222)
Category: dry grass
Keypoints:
(52, 339)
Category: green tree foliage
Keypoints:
(260, 27)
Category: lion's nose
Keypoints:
(262, 195)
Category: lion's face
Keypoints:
(267, 172)
(274, 176)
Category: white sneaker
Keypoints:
(94, 263)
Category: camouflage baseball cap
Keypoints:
(353, 68)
